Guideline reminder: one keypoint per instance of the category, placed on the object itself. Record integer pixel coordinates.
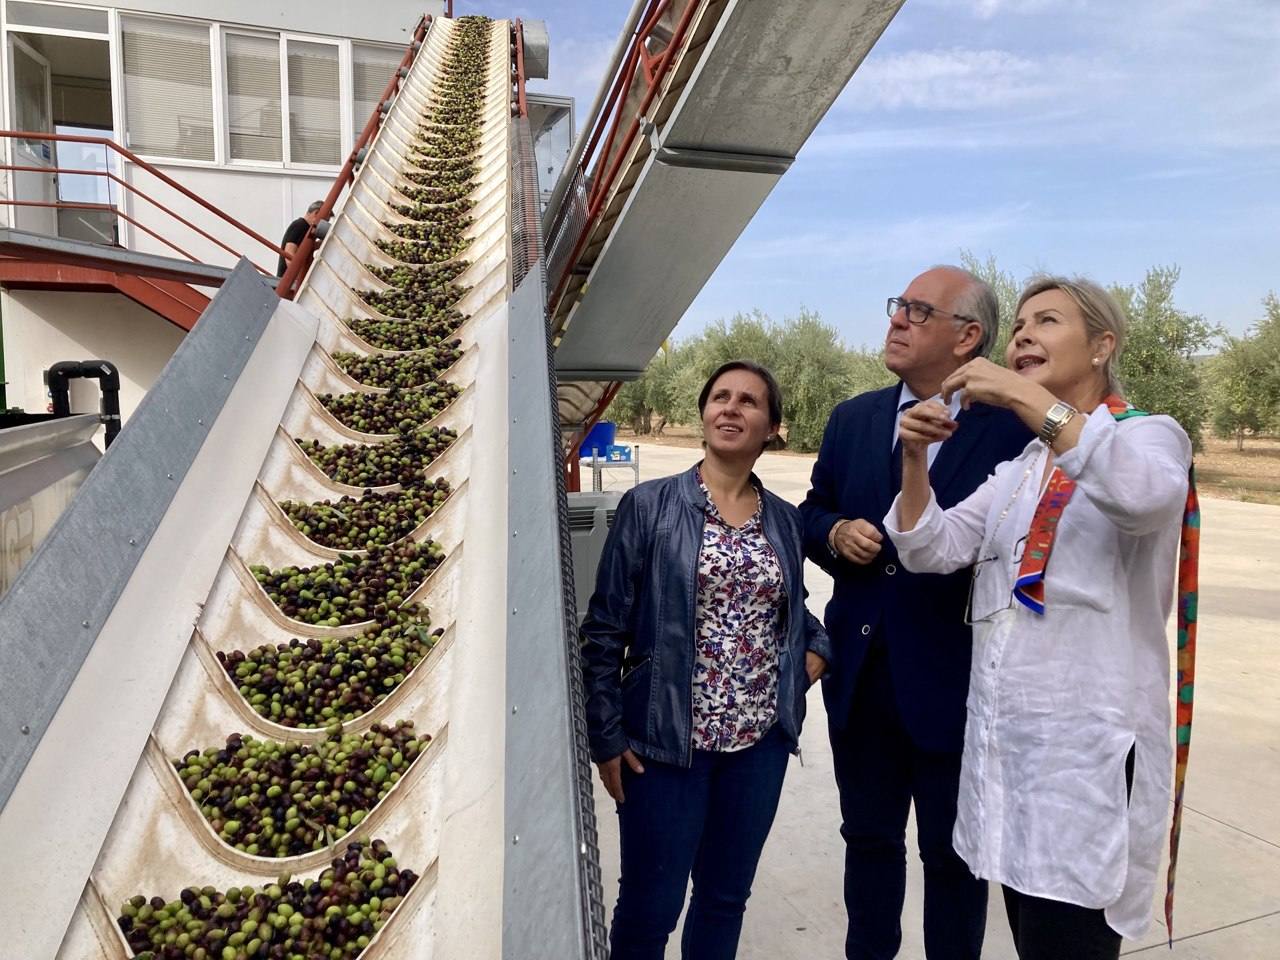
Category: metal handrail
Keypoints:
(522, 104)
(144, 165)
(70, 171)
(613, 115)
(300, 263)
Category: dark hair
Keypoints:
(770, 385)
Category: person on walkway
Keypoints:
(697, 652)
(1065, 782)
(294, 233)
(896, 692)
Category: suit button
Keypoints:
(866, 629)
(891, 569)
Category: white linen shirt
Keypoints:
(1057, 700)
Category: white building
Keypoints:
(253, 106)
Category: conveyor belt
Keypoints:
(230, 511)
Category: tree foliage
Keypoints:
(813, 366)
(1162, 366)
(1006, 289)
(1245, 379)
(1158, 366)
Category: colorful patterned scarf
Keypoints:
(1029, 590)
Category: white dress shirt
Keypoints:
(1057, 700)
(907, 396)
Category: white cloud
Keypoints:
(988, 9)
(922, 237)
(966, 80)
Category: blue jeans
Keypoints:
(710, 820)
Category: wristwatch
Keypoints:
(1058, 416)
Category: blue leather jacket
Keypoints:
(638, 635)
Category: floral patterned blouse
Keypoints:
(739, 623)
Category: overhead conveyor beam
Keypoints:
(743, 93)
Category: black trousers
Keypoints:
(1052, 930)
(880, 772)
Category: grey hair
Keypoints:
(315, 205)
(978, 304)
(1102, 314)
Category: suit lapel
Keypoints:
(882, 443)
(959, 447)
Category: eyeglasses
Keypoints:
(918, 311)
(1016, 559)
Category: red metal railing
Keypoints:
(522, 104)
(301, 261)
(131, 188)
(653, 71)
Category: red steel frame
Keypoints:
(301, 261)
(612, 117)
(522, 104)
(573, 463)
(132, 188)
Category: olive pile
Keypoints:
(417, 303)
(444, 173)
(401, 370)
(405, 335)
(428, 209)
(400, 460)
(373, 520)
(315, 682)
(433, 274)
(399, 411)
(409, 251)
(332, 917)
(285, 799)
(437, 196)
(351, 589)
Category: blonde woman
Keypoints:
(1065, 779)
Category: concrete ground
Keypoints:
(1228, 904)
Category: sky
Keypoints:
(1095, 137)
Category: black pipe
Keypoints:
(59, 378)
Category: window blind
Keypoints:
(168, 82)
(253, 98)
(315, 114)
(371, 69)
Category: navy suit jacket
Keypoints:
(919, 617)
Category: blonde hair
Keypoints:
(1102, 314)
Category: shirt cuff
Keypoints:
(927, 529)
(1097, 427)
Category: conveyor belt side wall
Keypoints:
(102, 805)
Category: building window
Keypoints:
(168, 84)
(56, 17)
(253, 98)
(315, 103)
(371, 69)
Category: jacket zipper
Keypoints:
(786, 616)
(693, 633)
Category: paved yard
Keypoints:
(1229, 875)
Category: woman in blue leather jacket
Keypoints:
(697, 653)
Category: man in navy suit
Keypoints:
(895, 695)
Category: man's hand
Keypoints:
(858, 541)
(814, 665)
(611, 773)
(925, 423)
